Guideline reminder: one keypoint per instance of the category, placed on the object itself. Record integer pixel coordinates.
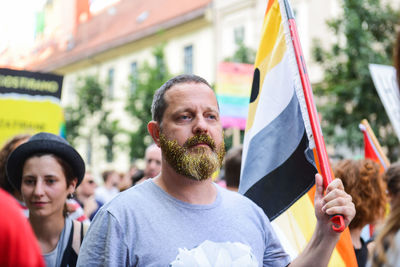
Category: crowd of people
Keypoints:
(173, 213)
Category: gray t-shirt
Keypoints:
(145, 226)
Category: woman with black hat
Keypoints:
(46, 170)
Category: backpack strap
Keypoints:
(82, 233)
(70, 255)
(77, 238)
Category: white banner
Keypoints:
(384, 78)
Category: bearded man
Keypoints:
(182, 218)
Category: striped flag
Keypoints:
(278, 166)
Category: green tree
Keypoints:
(109, 129)
(90, 109)
(149, 79)
(364, 34)
(90, 96)
(73, 120)
(243, 54)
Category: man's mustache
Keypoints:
(200, 139)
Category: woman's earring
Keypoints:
(71, 195)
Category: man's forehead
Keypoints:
(188, 88)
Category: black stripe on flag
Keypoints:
(282, 187)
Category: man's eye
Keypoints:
(184, 117)
(212, 117)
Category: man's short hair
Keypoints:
(159, 104)
(106, 174)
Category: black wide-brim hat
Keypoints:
(43, 143)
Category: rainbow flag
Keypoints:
(232, 90)
(278, 163)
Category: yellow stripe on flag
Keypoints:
(270, 52)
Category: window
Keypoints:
(160, 66)
(89, 151)
(188, 59)
(238, 34)
(133, 77)
(110, 83)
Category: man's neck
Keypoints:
(82, 197)
(186, 189)
(109, 186)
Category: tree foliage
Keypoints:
(90, 110)
(364, 34)
(149, 79)
(243, 54)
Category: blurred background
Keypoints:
(113, 55)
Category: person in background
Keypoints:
(233, 161)
(181, 213)
(137, 176)
(396, 58)
(18, 244)
(109, 189)
(362, 180)
(126, 178)
(133, 175)
(45, 170)
(9, 147)
(387, 246)
(85, 196)
(152, 158)
(75, 210)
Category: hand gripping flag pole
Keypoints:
(326, 171)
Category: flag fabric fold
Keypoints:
(278, 162)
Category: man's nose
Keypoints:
(200, 126)
(153, 165)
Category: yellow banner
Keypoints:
(30, 116)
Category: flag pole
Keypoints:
(326, 171)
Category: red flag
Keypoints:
(372, 148)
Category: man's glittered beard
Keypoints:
(197, 163)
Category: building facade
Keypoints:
(113, 39)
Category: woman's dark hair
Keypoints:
(4, 153)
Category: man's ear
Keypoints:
(154, 131)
